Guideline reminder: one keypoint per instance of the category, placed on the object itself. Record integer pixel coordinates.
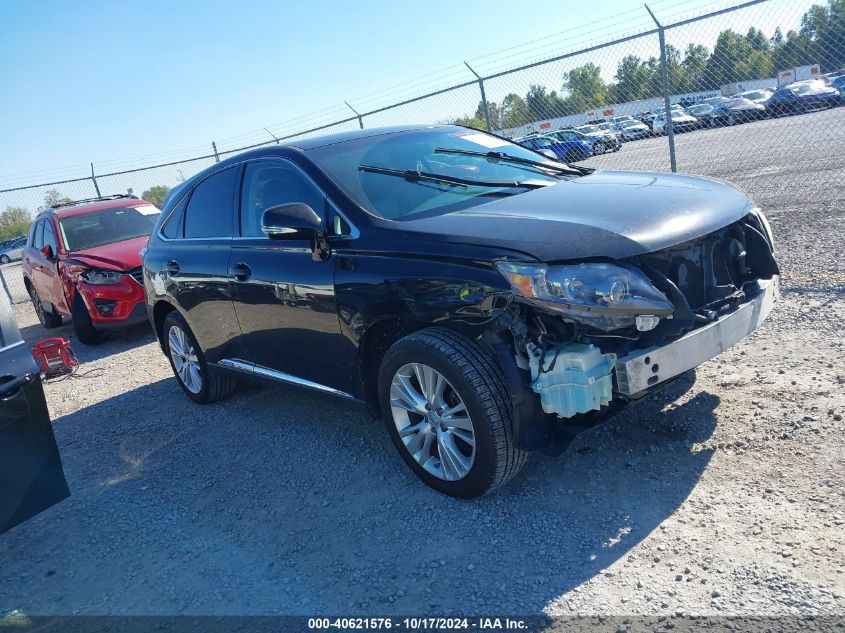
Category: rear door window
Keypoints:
(210, 211)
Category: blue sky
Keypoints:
(114, 82)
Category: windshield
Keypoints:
(587, 129)
(88, 230)
(399, 198)
(755, 94)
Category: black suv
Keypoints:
(483, 299)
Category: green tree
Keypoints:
(632, 81)
(157, 194)
(14, 222)
(514, 111)
(695, 65)
(586, 88)
(542, 104)
(53, 197)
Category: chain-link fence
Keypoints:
(747, 92)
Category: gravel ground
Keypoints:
(720, 495)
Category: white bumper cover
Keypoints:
(643, 369)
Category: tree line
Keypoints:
(820, 39)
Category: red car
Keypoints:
(82, 260)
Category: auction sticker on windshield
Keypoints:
(484, 140)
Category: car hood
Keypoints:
(611, 214)
(123, 255)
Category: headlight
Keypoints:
(102, 277)
(605, 296)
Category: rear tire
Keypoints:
(474, 380)
(48, 320)
(181, 346)
(4, 259)
(83, 327)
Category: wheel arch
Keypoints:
(160, 311)
(379, 337)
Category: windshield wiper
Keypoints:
(507, 158)
(453, 181)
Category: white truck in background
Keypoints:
(802, 73)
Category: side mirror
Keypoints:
(291, 221)
(47, 251)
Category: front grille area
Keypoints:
(710, 271)
(137, 274)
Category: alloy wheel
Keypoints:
(184, 359)
(432, 421)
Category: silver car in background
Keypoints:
(11, 250)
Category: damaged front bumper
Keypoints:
(644, 369)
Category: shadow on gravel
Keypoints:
(277, 501)
(118, 340)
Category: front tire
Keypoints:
(4, 259)
(446, 408)
(200, 382)
(83, 326)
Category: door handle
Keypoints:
(10, 388)
(172, 267)
(240, 271)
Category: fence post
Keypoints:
(664, 80)
(94, 180)
(360, 120)
(216, 155)
(483, 97)
(6, 287)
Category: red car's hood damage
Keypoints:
(122, 256)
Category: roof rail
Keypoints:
(116, 196)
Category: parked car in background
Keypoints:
(608, 128)
(616, 120)
(803, 96)
(738, 109)
(838, 83)
(714, 101)
(681, 122)
(602, 141)
(631, 130)
(760, 96)
(569, 148)
(483, 300)
(11, 250)
(82, 260)
(708, 115)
